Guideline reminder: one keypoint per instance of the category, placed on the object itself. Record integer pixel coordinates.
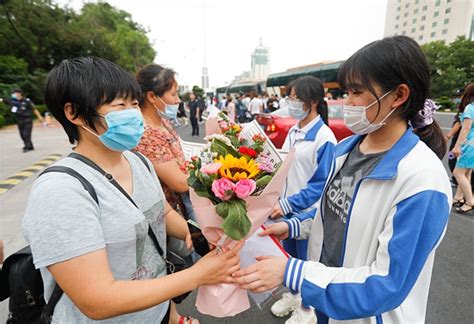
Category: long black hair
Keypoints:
(310, 89)
(390, 62)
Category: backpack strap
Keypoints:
(57, 291)
(111, 179)
(86, 184)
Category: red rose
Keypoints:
(248, 151)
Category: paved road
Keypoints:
(452, 289)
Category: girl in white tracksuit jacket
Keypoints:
(385, 205)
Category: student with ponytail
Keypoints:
(385, 204)
(314, 143)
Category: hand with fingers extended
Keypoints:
(216, 268)
(279, 230)
(277, 212)
(264, 275)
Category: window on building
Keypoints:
(448, 10)
(398, 8)
(407, 5)
(404, 33)
(422, 27)
(423, 18)
(404, 24)
(417, 1)
(397, 17)
(436, 14)
(405, 15)
(420, 37)
(413, 30)
(434, 24)
(424, 8)
(449, 1)
(445, 31)
(433, 34)
(396, 26)
(437, 3)
(446, 21)
(414, 21)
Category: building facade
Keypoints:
(430, 20)
(260, 62)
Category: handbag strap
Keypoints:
(111, 179)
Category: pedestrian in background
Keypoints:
(255, 106)
(231, 108)
(314, 144)
(464, 151)
(194, 114)
(23, 109)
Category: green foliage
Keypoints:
(8, 116)
(223, 149)
(236, 223)
(445, 103)
(199, 92)
(35, 35)
(451, 66)
(2, 121)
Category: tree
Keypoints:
(451, 66)
(198, 91)
(35, 35)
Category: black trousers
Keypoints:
(194, 125)
(25, 126)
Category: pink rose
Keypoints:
(223, 188)
(211, 168)
(244, 188)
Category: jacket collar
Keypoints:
(388, 166)
(313, 131)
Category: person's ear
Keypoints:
(402, 93)
(70, 113)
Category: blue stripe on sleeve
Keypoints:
(418, 225)
(294, 226)
(315, 186)
(293, 277)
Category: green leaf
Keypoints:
(236, 223)
(223, 149)
(263, 181)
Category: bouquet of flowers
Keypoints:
(234, 184)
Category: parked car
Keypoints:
(278, 123)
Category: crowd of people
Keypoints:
(361, 218)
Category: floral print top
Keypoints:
(163, 145)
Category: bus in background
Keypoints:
(326, 72)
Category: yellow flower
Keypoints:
(237, 168)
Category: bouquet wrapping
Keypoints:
(234, 184)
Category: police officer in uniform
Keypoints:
(23, 108)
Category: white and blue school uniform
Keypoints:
(397, 218)
(314, 150)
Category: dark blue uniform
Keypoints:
(23, 110)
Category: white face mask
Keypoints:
(295, 108)
(355, 118)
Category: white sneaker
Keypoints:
(301, 316)
(286, 304)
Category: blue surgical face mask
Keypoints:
(124, 129)
(171, 111)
